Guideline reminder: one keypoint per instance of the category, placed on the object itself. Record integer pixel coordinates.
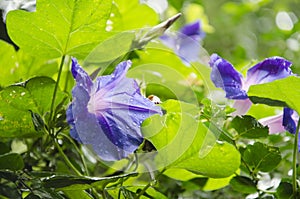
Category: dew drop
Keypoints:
(23, 93)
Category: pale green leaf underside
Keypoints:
(57, 28)
(285, 90)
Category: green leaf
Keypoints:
(4, 148)
(129, 15)
(112, 48)
(20, 66)
(282, 92)
(17, 101)
(32, 196)
(177, 4)
(77, 194)
(211, 183)
(8, 59)
(183, 142)
(9, 175)
(9, 192)
(11, 161)
(284, 191)
(76, 182)
(261, 157)
(217, 183)
(243, 184)
(47, 194)
(57, 28)
(181, 174)
(248, 127)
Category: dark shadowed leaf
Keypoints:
(9, 175)
(9, 192)
(243, 184)
(261, 157)
(11, 161)
(4, 148)
(248, 127)
(284, 191)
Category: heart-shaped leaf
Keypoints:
(183, 142)
(19, 102)
(261, 157)
(248, 127)
(57, 28)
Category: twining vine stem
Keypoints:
(68, 162)
(295, 153)
(148, 185)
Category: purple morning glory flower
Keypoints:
(107, 113)
(185, 43)
(290, 121)
(235, 86)
(282, 122)
(232, 82)
(274, 123)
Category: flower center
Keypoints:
(97, 103)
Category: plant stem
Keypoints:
(56, 87)
(148, 185)
(67, 77)
(68, 162)
(79, 152)
(295, 153)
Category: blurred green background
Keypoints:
(244, 30)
